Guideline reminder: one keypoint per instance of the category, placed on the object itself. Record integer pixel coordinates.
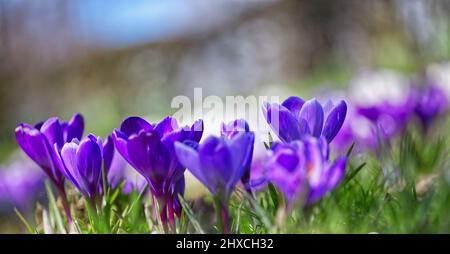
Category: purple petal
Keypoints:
(166, 126)
(284, 123)
(314, 161)
(190, 159)
(219, 169)
(89, 163)
(241, 147)
(286, 169)
(336, 173)
(323, 144)
(33, 144)
(138, 152)
(216, 163)
(197, 131)
(121, 144)
(133, 125)
(75, 128)
(209, 145)
(53, 131)
(327, 107)
(294, 104)
(108, 153)
(312, 112)
(334, 121)
(233, 128)
(39, 125)
(150, 157)
(68, 157)
(289, 161)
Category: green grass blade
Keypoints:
(53, 207)
(190, 214)
(25, 222)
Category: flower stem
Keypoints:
(173, 227)
(65, 203)
(162, 204)
(222, 216)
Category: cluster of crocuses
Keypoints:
(371, 124)
(298, 165)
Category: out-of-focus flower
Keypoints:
(232, 129)
(380, 108)
(82, 162)
(302, 170)
(295, 119)
(218, 163)
(383, 98)
(21, 184)
(430, 103)
(360, 130)
(150, 150)
(439, 74)
(39, 143)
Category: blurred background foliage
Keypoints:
(110, 59)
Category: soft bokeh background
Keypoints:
(110, 59)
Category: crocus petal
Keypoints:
(334, 121)
(327, 107)
(167, 125)
(288, 160)
(323, 144)
(89, 163)
(284, 123)
(286, 169)
(138, 152)
(108, 153)
(241, 145)
(231, 129)
(197, 131)
(134, 124)
(68, 157)
(74, 128)
(39, 125)
(120, 143)
(312, 112)
(247, 164)
(336, 173)
(33, 144)
(293, 104)
(215, 159)
(53, 131)
(314, 161)
(189, 158)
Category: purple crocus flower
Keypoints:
(295, 119)
(219, 164)
(302, 170)
(364, 132)
(39, 141)
(150, 150)
(430, 103)
(82, 162)
(21, 184)
(231, 130)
